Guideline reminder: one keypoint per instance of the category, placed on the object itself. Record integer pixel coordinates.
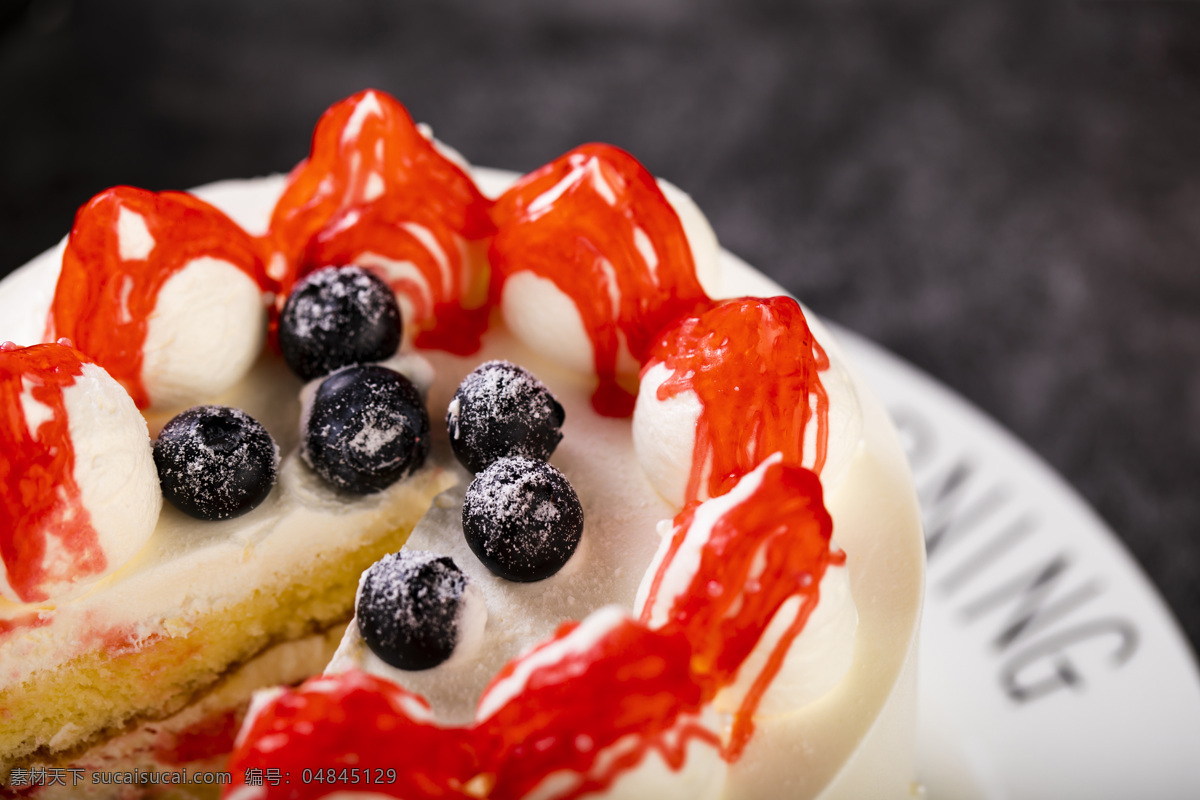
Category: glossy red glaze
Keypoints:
(733, 595)
(753, 363)
(621, 683)
(104, 297)
(41, 510)
(628, 685)
(575, 222)
(356, 721)
(210, 737)
(373, 189)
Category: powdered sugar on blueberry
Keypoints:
(522, 518)
(501, 409)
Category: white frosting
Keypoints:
(702, 239)
(817, 659)
(683, 567)
(664, 436)
(134, 242)
(621, 511)
(664, 431)
(114, 470)
(545, 319)
(205, 332)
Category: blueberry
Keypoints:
(365, 429)
(410, 607)
(501, 409)
(338, 316)
(215, 462)
(522, 519)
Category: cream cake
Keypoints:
(803, 688)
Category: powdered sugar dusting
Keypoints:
(347, 287)
(409, 608)
(206, 455)
(501, 409)
(522, 518)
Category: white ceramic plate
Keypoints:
(1050, 667)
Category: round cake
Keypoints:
(728, 609)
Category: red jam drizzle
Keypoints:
(41, 499)
(725, 609)
(362, 724)
(632, 685)
(632, 682)
(31, 620)
(641, 687)
(210, 737)
(105, 297)
(578, 222)
(753, 363)
(373, 184)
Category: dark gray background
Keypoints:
(1007, 196)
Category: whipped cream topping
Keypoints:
(649, 255)
(668, 417)
(548, 320)
(599, 255)
(162, 290)
(114, 464)
(205, 332)
(815, 660)
(77, 450)
(378, 191)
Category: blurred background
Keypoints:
(1005, 195)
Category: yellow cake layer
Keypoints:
(138, 753)
(97, 694)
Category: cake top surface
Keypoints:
(614, 262)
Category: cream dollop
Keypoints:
(664, 432)
(114, 470)
(545, 319)
(817, 658)
(205, 332)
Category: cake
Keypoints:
(839, 723)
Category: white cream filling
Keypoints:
(189, 568)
